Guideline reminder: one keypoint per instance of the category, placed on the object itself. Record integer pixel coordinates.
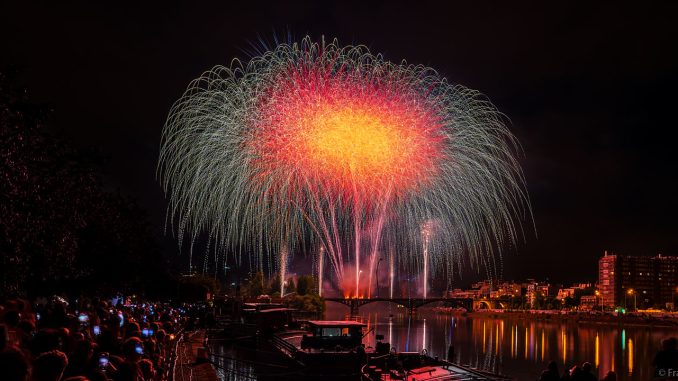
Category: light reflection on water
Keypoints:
(517, 347)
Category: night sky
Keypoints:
(590, 92)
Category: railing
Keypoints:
(284, 346)
(172, 359)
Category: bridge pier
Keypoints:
(355, 307)
(411, 309)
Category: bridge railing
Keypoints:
(411, 303)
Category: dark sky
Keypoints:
(590, 91)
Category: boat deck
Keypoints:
(427, 373)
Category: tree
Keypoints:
(42, 191)
(195, 287)
(255, 286)
(539, 301)
(289, 286)
(305, 285)
(551, 303)
(309, 303)
(570, 302)
(59, 229)
(518, 302)
(273, 285)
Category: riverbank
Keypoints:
(664, 320)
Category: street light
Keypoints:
(597, 293)
(632, 292)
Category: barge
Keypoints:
(333, 350)
(284, 348)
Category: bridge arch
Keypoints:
(482, 305)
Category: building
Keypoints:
(464, 294)
(588, 302)
(506, 289)
(571, 292)
(637, 282)
(536, 290)
(564, 293)
(666, 287)
(482, 289)
(606, 280)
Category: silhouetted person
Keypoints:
(80, 358)
(49, 366)
(666, 358)
(4, 338)
(25, 331)
(576, 374)
(45, 340)
(550, 373)
(132, 349)
(107, 341)
(128, 371)
(97, 375)
(587, 372)
(12, 319)
(362, 355)
(610, 376)
(13, 365)
(147, 369)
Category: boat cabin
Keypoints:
(333, 334)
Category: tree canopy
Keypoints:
(59, 228)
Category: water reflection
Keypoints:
(518, 347)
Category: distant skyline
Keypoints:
(590, 94)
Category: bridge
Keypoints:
(410, 303)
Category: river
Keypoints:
(517, 347)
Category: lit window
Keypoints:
(331, 331)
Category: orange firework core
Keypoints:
(356, 143)
(346, 139)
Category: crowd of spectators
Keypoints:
(88, 339)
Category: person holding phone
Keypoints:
(103, 361)
(133, 349)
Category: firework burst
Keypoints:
(313, 145)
